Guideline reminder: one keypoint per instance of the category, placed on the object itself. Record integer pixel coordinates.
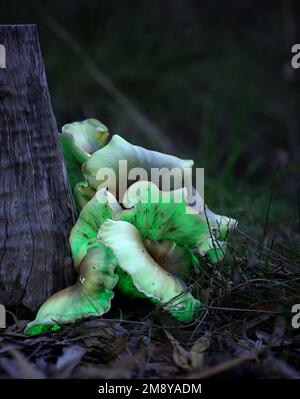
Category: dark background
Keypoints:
(212, 80)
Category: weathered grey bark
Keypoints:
(36, 206)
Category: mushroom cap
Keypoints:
(86, 137)
(78, 141)
(118, 150)
(101, 207)
(90, 296)
(148, 276)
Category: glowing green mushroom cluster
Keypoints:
(143, 248)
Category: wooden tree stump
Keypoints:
(36, 205)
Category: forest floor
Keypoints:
(245, 329)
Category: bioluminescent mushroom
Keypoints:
(154, 246)
(79, 140)
(135, 156)
(144, 242)
(90, 296)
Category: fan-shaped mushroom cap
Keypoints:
(148, 276)
(119, 149)
(90, 296)
(79, 140)
(170, 217)
(101, 207)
